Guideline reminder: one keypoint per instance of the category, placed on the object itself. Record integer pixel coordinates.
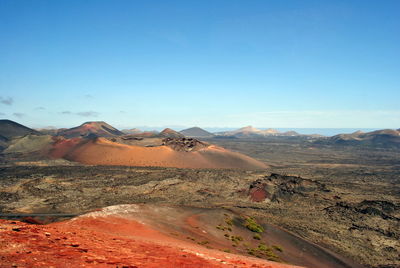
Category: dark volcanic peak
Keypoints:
(196, 132)
(10, 129)
(170, 133)
(98, 128)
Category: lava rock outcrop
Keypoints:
(184, 144)
(277, 187)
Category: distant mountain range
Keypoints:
(10, 129)
(252, 132)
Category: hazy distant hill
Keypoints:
(290, 133)
(196, 132)
(384, 138)
(10, 129)
(252, 132)
(131, 131)
(97, 128)
(50, 130)
(170, 133)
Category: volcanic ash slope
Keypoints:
(101, 151)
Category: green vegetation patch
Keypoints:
(265, 252)
(257, 236)
(277, 248)
(252, 225)
(229, 221)
(223, 228)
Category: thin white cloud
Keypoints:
(88, 114)
(83, 113)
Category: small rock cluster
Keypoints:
(184, 144)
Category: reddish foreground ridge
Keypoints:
(107, 241)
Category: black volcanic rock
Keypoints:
(184, 144)
(278, 187)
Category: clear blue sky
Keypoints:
(207, 63)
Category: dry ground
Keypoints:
(357, 215)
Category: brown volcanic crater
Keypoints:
(101, 151)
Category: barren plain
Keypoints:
(341, 202)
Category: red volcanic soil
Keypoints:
(107, 241)
(101, 151)
(257, 195)
(62, 146)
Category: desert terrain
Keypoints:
(304, 202)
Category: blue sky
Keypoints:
(282, 64)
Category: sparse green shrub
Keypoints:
(236, 238)
(257, 236)
(277, 248)
(263, 251)
(223, 228)
(251, 251)
(263, 247)
(229, 221)
(252, 225)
